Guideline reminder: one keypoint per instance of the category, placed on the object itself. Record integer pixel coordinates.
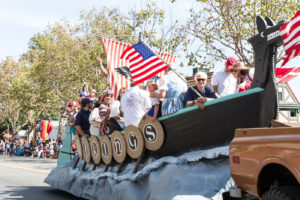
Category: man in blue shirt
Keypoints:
(206, 91)
(82, 123)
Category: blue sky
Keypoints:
(20, 20)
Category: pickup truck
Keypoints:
(265, 162)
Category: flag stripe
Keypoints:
(290, 34)
(150, 65)
(141, 65)
(292, 43)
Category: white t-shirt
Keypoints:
(155, 100)
(115, 108)
(135, 103)
(226, 83)
(94, 125)
(115, 111)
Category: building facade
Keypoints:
(288, 104)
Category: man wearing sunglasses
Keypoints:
(207, 93)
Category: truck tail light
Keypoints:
(236, 159)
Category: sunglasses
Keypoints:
(201, 79)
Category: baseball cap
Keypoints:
(85, 101)
(231, 61)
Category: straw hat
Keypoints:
(241, 66)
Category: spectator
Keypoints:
(41, 153)
(2, 147)
(33, 142)
(172, 89)
(7, 148)
(224, 82)
(39, 141)
(135, 103)
(206, 92)
(82, 123)
(12, 148)
(19, 150)
(38, 128)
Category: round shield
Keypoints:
(106, 151)
(79, 147)
(95, 149)
(118, 146)
(153, 133)
(134, 141)
(86, 149)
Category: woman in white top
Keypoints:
(116, 121)
(95, 120)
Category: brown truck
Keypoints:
(265, 162)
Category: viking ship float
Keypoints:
(192, 128)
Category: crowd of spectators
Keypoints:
(34, 148)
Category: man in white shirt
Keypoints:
(224, 82)
(135, 103)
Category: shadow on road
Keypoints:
(36, 193)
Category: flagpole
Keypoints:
(172, 69)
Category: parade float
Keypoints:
(137, 154)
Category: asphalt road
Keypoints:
(23, 178)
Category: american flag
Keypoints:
(143, 63)
(290, 34)
(113, 50)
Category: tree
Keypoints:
(13, 98)
(221, 28)
(60, 63)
